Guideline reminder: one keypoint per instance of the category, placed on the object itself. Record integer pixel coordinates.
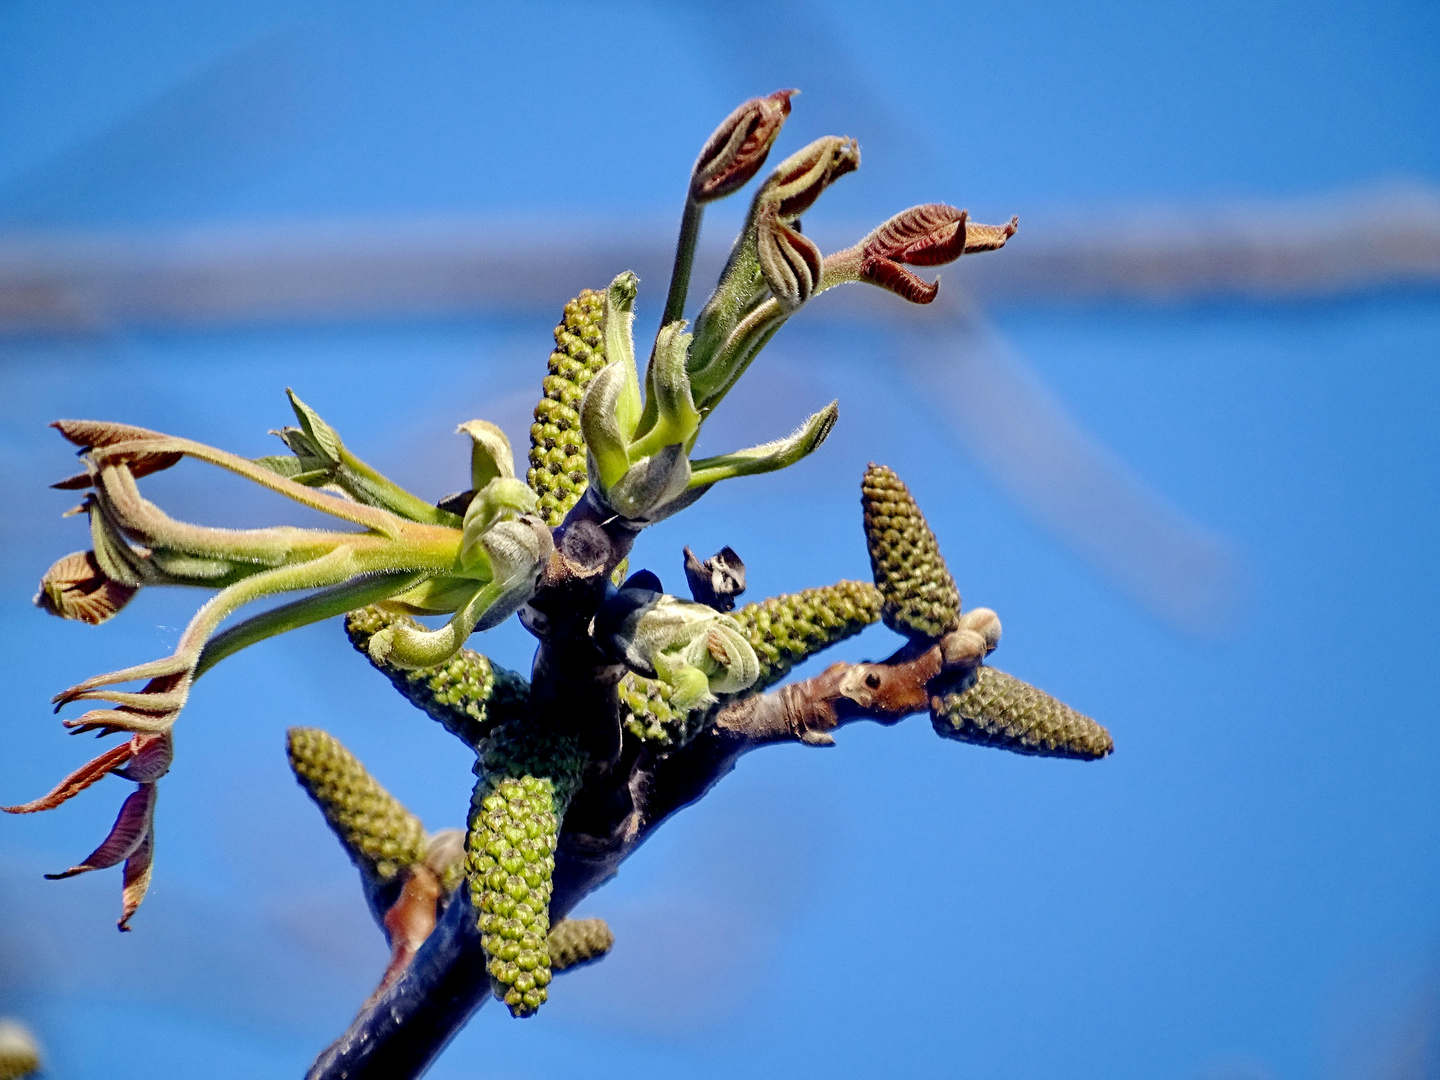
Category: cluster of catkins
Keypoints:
(527, 775)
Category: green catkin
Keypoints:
(785, 630)
(1000, 710)
(526, 780)
(467, 694)
(579, 941)
(380, 836)
(921, 599)
(557, 449)
(647, 713)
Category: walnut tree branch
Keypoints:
(405, 1028)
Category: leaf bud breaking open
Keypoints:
(739, 146)
(718, 580)
(928, 235)
(790, 261)
(801, 178)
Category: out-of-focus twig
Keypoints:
(308, 272)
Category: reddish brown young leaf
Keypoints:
(136, 881)
(739, 146)
(132, 825)
(90, 434)
(801, 178)
(76, 588)
(80, 779)
(790, 261)
(928, 235)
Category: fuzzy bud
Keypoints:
(738, 148)
(718, 580)
(801, 178)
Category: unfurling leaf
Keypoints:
(738, 148)
(76, 588)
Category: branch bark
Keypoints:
(402, 1031)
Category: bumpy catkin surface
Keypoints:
(921, 599)
(467, 693)
(526, 781)
(785, 630)
(380, 836)
(557, 449)
(1001, 710)
(578, 941)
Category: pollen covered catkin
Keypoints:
(557, 449)
(380, 835)
(526, 780)
(579, 941)
(1001, 710)
(785, 630)
(467, 693)
(921, 599)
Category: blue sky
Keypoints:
(1248, 889)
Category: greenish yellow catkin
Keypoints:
(579, 941)
(783, 630)
(647, 713)
(786, 629)
(527, 778)
(920, 595)
(467, 694)
(557, 449)
(1000, 710)
(19, 1055)
(380, 836)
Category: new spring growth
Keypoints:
(772, 270)
(928, 235)
(699, 651)
(638, 455)
(405, 552)
(732, 155)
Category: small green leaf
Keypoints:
(770, 456)
(620, 347)
(676, 420)
(323, 437)
(490, 453)
(608, 446)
